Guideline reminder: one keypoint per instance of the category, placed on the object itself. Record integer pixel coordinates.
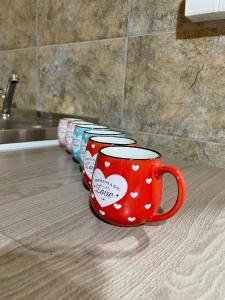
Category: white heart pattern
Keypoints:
(107, 164)
(102, 212)
(134, 194)
(131, 219)
(92, 196)
(93, 146)
(149, 180)
(117, 206)
(89, 163)
(135, 167)
(148, 206)
(108, 190)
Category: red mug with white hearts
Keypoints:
(126, 187)
(94, 144)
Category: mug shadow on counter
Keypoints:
(70, 265)
(136, 232)
(112, 234)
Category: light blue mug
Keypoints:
(77, 137)
(90, 133)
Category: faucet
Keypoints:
(7, 96)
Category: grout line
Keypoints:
(174, 136)
(36, 29)
(37, 25)
(89, 41)
(37, 74)
(153, 33)
(36, 54)
(64, 44)
(83, 42)
(125, 67)
(18, 49)
(124, 83)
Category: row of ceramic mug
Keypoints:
(125, 180)
(84, 140)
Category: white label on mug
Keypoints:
(89, 163)
(108, 190)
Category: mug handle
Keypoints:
(159, 171)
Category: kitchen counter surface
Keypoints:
(53, 247)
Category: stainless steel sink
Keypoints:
(13, 124)
(26, 126)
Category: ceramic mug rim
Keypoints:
(92, 126)
(113, 132)
(80, 122)
(110, 143)
(68, 119)
(131, 148)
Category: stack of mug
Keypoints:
(125, 180)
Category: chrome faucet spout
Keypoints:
(7, 97)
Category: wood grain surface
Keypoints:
(53, 247)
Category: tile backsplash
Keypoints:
(139, 65)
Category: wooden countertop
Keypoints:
(53, 247)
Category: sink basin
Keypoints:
(27, 126)
(13, 124)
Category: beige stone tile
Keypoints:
(18, 24)
(24, 63)
(70, 21)
(147, 16)
(84, 78)
(176, 87)
(182, 148)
